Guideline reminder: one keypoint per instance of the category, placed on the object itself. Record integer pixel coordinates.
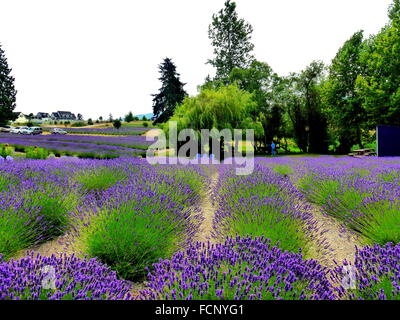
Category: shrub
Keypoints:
(36, 153)
(132, 237)
(99, 178)
(262, 205)
(239, 269)
(376, 272)
(75, 279)
(54, 209)
(284, 170)
(33, 216)
(6, 150)
(15, 231)
(78, 124)
(117, 124)
(145, 124)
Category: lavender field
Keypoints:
(77, 144)
(297, 228)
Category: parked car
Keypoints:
(58, 131)
(25, 130)
(5, 129)
(16, 130)
(35, 130)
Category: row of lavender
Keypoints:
(264, 256)
(266, 253)
(122, 213)
(364, 195)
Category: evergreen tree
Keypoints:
(170, 94)
(230, 36)
(129, 117)
(7, 90)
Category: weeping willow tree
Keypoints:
(225, 107)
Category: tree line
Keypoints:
(323, 108)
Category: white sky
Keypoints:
(100, 56)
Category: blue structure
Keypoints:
(388, 141)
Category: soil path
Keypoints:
(207, 208)
(57, 246)
(340, 243)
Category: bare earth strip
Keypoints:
(207, 209)
(341, 242)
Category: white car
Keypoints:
(16, 130)
(25, 130)
(6, 129)
(58, 131)
(35, 130)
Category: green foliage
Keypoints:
(50, 218)
(265, 218)
(379, 86)
(6, 150)
(377, 222)
(129, 117)
(136, 235)
(170, 94)
(7, 91)
(283, 169)
(36, 153)
(225, 107)
(54, 208)
(100, 178)
(15, 232)
(145, 124)
(230, 37)
(380, 222)
(78, 124)
(342, 102)
(130, 238)
(90, 122)
(302, 98)
(265, 86)
(117, 124)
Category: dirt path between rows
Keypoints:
(340, 242)
(207, 208)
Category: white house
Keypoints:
(21, 118)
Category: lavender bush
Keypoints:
(239, 269)
(74, 279)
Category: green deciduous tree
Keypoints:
(230, 36)
(341, 101)
(260, 80)
(379, 88)
(303, 103)
(7, 90)
(226, 107)
(170, 94)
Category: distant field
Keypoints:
(77, 144)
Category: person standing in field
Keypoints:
(273, 148)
